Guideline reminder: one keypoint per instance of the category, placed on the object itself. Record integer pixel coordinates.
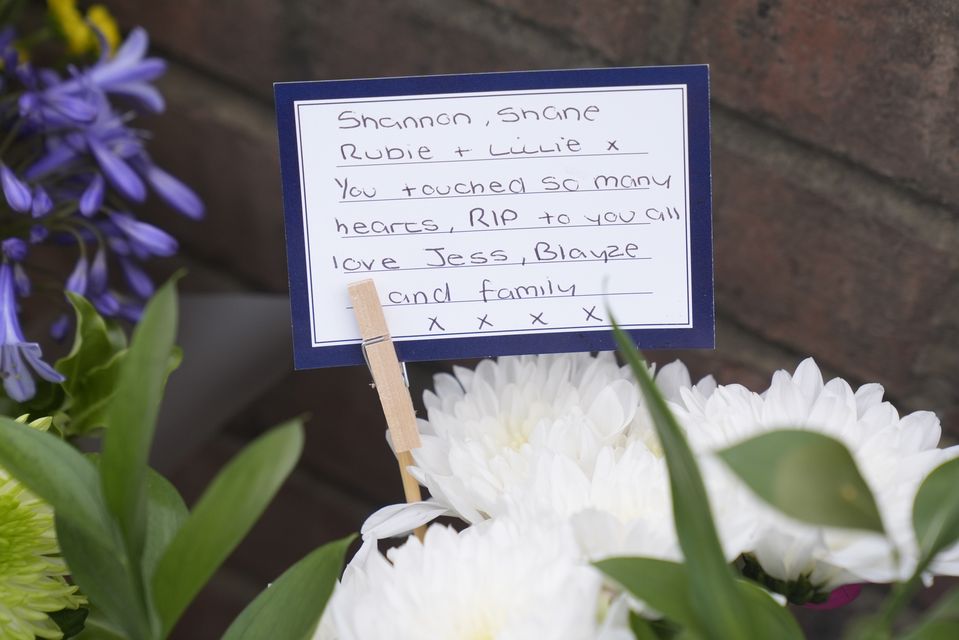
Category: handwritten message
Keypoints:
(498, 213)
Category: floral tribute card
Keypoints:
(499, 213)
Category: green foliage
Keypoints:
(131, 544)
(808, 476)
(292, 606)
(166, 514)
(222, 517)
(935, 512)
(668, 588)
(131, 418)
(94, 342)
(92, 370)
(100, 566)
(935, 520)
(718, 607)
(663, 585)
(98, 627)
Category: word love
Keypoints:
(541, 252)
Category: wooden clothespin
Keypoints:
(389, 381)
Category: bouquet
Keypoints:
(592, 502)
(580, 499)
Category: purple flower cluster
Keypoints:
(71, 167)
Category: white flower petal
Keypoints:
(400, 519)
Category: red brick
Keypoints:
(243, 41)
(255, 44)
(224, 146)
(809, 268)
(874, 81)
(624, 32)
(346, 444)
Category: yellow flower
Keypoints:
(77, 30)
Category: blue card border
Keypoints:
(696, 79)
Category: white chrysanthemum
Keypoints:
(622, 506)
(500, 580)
(894, 455)
(555, 436)
(485, 427)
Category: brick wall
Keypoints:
(836, 187)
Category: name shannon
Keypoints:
(352, 120)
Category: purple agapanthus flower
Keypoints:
(14, 190)
(19, 359)
(14, 248)
(42, 203)
(71, 168)
(77, 280)
(128, 73)
(92, 198)
(172, 191)
(110, 143)
(50, 103)
(144, 238)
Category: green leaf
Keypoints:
(222, 517)
(55, 471)
(90, 395)
(719, 608)
(131, 416)
(935, 511)
(641, 627)
(70, 621)
(166, 514)
(935, 519)
(68, 481)
(939, 623)
(808, 476)
(92, 346)
(116, 335)
(292, 606)
(668, 588)
(98, 627)
(661, 584)
(767, 618)
(99, 566)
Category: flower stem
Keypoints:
(14, 130)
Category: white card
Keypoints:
(489, 216)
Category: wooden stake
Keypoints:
(388, 380)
